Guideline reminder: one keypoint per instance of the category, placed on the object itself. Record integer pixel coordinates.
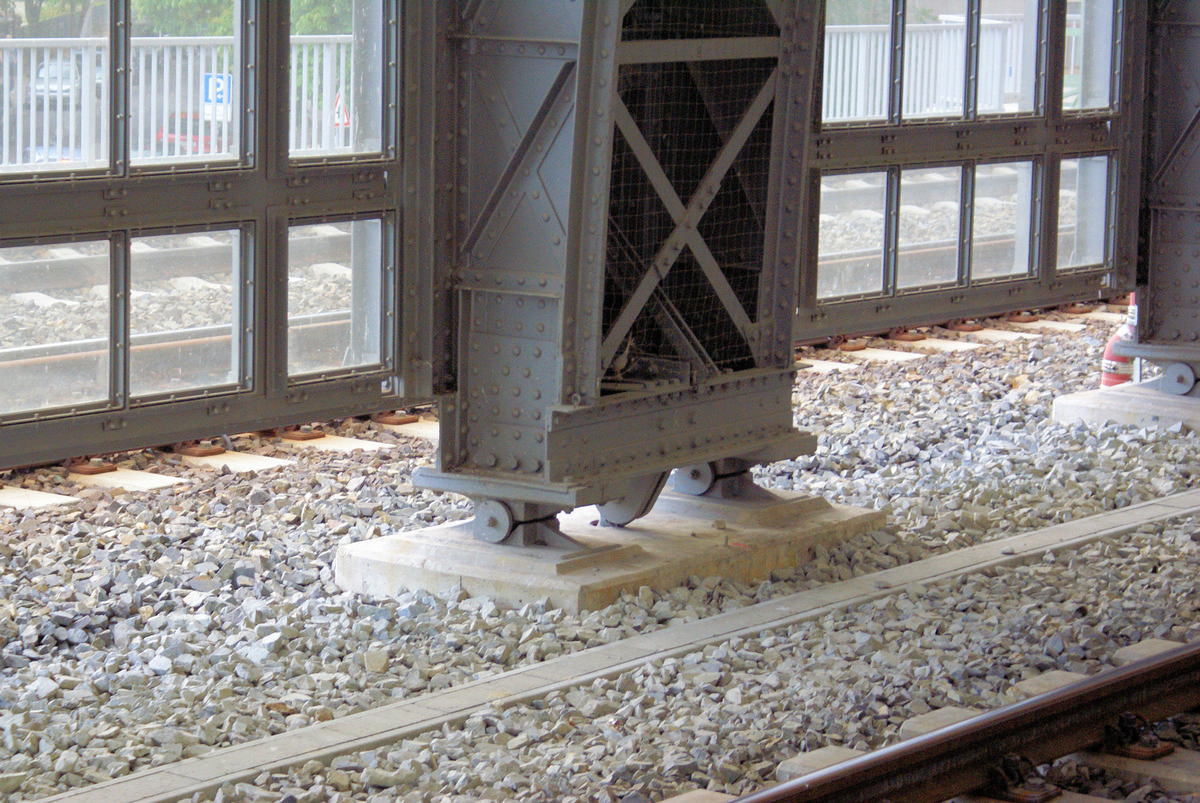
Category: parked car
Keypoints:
(188, 134)
(60, 81)
(52, 153)
(55, 82)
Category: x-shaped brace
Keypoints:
(686, 218)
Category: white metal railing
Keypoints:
(857, 61)
(184, 99)
(183, 91)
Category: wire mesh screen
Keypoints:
(698, 19)
(686, 219)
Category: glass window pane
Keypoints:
(1001, 223)
(1088, 67)
(54, 345)
(183, 312)
(1008, 43)
(930, 205)
(337, 78)
(54, 85)
(935, 52)
(1083, 212)
(335, 299)
(185, 86)
(858, 44)
(850, 249)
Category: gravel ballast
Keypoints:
(145, 627)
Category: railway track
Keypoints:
(908, 771)
(1001, 755)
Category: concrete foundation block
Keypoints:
(1140, 404)
(683, 536)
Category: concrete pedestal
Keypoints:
(682, 536)
(1140, 404)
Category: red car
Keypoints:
(186, 135)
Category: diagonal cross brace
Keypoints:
(1184, 146)
(686, 218)
(559, 93)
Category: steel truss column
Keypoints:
(594, 356)
(1168, 283)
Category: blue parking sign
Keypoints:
(218, 87)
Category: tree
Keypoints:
(215, 17)
(185, 17)
(37, 10)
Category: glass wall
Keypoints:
(55, 85)
(185, 304)
(56, 304)
(851, 238)
(946, 195)
(335, 303)
(162, 268)
(935, 53)
(1002, 220)
(858, 53)
(337, 58)
(186, 90)
(930, 208)
(1083, 216)
(1087, 75)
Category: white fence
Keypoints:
(183, 91)
(857, 60)
(183, 102)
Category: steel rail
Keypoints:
(956, 760)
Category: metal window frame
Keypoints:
(258, 195)
(1043, 136)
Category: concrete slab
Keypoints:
(682, 536)
(700, 796)
(1053, 680)
(425, 429)
(335, 443)
(824, 366)
(1116, 318)
(237, 462)
(1149, 648)
(127, 479)
(1000, 335)
(25, 499)
(884, 355)
(813, 761)
(1050, 326)
(1133, 403)
(1138, 404)
(941, 344)
(936, 720)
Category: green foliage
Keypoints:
(322, 16)
(184, 17)
(858, 12)
(215, 17)
(872, 12)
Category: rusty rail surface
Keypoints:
(956, 760)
